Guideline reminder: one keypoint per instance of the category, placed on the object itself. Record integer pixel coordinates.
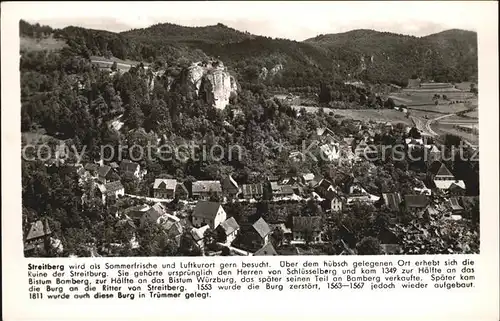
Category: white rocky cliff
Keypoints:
(223, 84)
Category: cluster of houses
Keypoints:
(254, 239)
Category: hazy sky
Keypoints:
(292, 20)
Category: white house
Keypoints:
(228, 230)
(111, 190)
(164, 188)
(208, 213)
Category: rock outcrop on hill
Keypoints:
(214, 81)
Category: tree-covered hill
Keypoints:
(367, 55)
(446, 56)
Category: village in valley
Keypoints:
(205, 217)
(326, 167)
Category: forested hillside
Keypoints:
(367, 55)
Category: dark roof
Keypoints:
(128, 166)
(91, 167)
(229, 226)
(444, 171)
(38, 230)
(439, 169)
(261, 227)
(228, 183)
(330, 195)
(418, 201)
(153, 214)
(164, 183)
(252, 189)
(104, 170)
(181, 186)
(392, 200)
(267, 249)
(324, 183)
(307, 223)
(206, 209)
(113, 186)
(455, 186)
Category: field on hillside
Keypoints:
(473, 114)
(377, 115)
(443, 129)
(465, 86)
(50, 43)
(117, 60)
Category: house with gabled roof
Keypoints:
(444, 179)
(173, 229)
(181, 191)
(230, 187)
(439, 172)
(205, 189)
(164, 188)
(323, 187)
(307, 228)
(110, 191)
(37, 234)
(267, 250)
(208, 213)
(307, 178)
(457, 188)
(333, 202)
(92, 168)
(456, 208)
(416, 203)
(152, 215)
(324, 131)
(254, 236)
(198, 235)
(228, 230)
(392, 201)
(131, 169)
(252, 191)
(283, 191)
(106, 174)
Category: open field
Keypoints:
(455, 119)
(50, 44)
(465, 85)
(120, 63)
(442, 108)
(442, 129)
(377, 115)
(425, 98)
(473, 114)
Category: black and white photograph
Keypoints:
(214, 136)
